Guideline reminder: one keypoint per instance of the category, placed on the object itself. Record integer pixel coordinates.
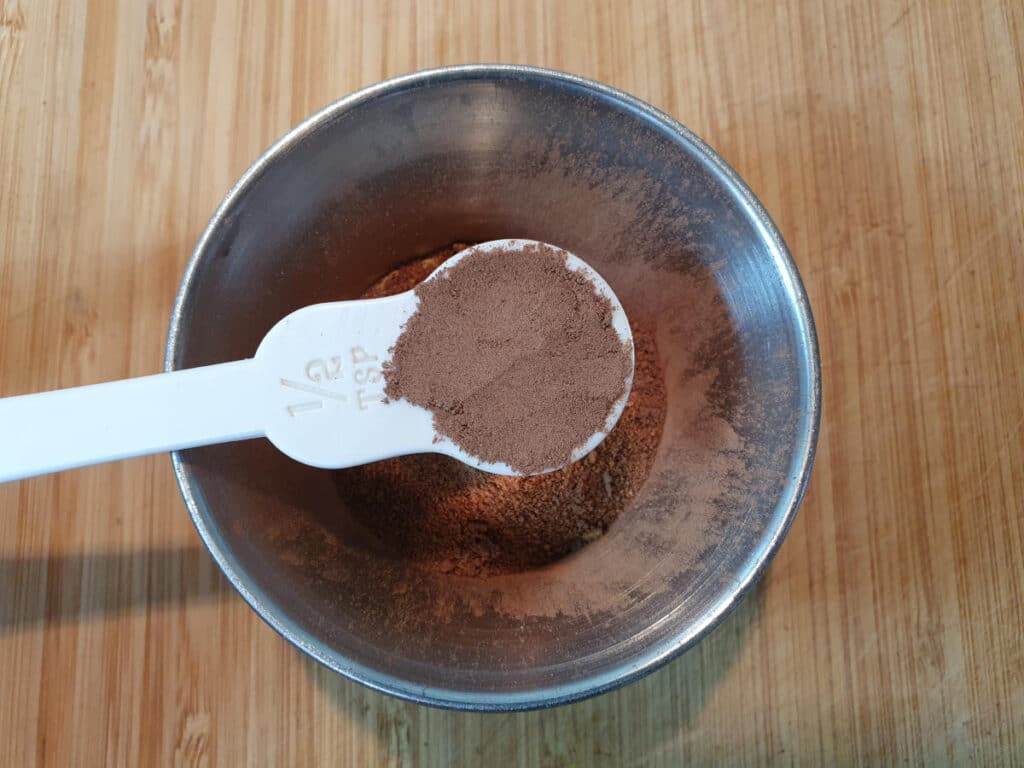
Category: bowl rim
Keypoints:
(651, 658)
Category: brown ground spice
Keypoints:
(450, 518)
(516, 356)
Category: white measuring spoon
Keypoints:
(315, 389)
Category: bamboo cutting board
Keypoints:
(887, 140)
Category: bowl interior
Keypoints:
(480, 154)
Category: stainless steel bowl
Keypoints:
(477, 153)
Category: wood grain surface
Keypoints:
(887, 140)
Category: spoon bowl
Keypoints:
(334, 353)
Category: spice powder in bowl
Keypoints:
(446, 517)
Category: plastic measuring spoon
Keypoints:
(315, 389)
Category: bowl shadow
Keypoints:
(601, 730)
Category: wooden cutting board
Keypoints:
(887, 140)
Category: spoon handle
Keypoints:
(67, 428)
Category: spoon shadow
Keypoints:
(44, 590)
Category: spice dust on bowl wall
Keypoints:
(435, 582)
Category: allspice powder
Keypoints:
(515, 354)
(449, 518)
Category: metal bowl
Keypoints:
(477, 153)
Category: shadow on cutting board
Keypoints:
(627, 726)
(66, 588)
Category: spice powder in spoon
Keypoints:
(515, 355)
